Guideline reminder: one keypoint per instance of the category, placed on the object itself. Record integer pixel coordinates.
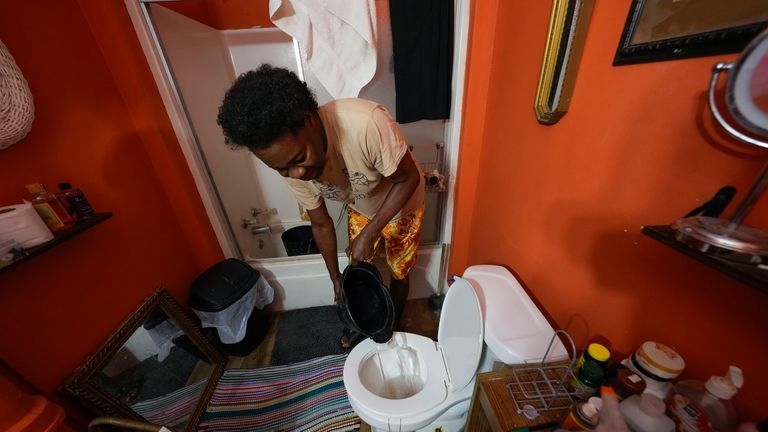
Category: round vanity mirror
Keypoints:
(747, 101)
(747, 87)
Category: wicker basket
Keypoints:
(17, 111)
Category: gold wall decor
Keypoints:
(567, 32)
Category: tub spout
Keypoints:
(266, 229)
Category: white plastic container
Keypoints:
(706, 406)
(645, 413)
(658, 365)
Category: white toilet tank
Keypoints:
(516, 332)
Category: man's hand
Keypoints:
(611, 419)
(405, 180)
(361, 247)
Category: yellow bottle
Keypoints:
(49, 208)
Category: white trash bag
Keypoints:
(231, 322)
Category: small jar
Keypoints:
(625, 382)
(587, 380)
(658, 365)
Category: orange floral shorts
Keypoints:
(401, 239)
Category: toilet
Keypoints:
(413, 383)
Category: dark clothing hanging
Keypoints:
(422, 45)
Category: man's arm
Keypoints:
(325, 236)
(405, 180)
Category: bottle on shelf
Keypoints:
(595, 353)
(583, 415)
(623, 381)
(645, 413)
(50, 209)
(77, 201)
(589, 371)
(657, 364)
(706, 406)
(587, 380)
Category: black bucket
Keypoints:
(298, 241)
(365, 304)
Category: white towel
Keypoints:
(339, 37)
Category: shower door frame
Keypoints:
(137, 10)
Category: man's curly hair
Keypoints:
(262, 105)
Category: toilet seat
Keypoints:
(447, 366)
(435, 388)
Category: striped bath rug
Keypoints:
(173, 409)
(305, 396)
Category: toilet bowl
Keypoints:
(414, 383)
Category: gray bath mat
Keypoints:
(304, 334)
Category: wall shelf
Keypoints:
(80, 226)
(749, 274)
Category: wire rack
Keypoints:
(545, 386)
(434, 179)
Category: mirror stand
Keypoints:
(731, 238)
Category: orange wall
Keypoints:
(100, 126)
(562, 206)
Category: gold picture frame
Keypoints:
(567, 32)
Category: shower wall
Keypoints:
(240, 180)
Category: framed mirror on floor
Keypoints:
(156, 367)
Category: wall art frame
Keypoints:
(658, 30)
(567, 32)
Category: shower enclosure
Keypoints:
(195, 58)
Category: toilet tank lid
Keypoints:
(515, 329)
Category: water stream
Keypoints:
(401, 379)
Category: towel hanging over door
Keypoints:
(339, 37)
(422, 46)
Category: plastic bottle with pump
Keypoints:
(706, 406)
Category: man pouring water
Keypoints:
(348, 150)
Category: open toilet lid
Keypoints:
(460, 332)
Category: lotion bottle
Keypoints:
(76, 199)
(704, 406)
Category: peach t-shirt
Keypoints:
(365, 146)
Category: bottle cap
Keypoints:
(596, 402)
(599, 352)
(590, 411)
(725, 387)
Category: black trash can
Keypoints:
(218, 296)
(299, 241)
